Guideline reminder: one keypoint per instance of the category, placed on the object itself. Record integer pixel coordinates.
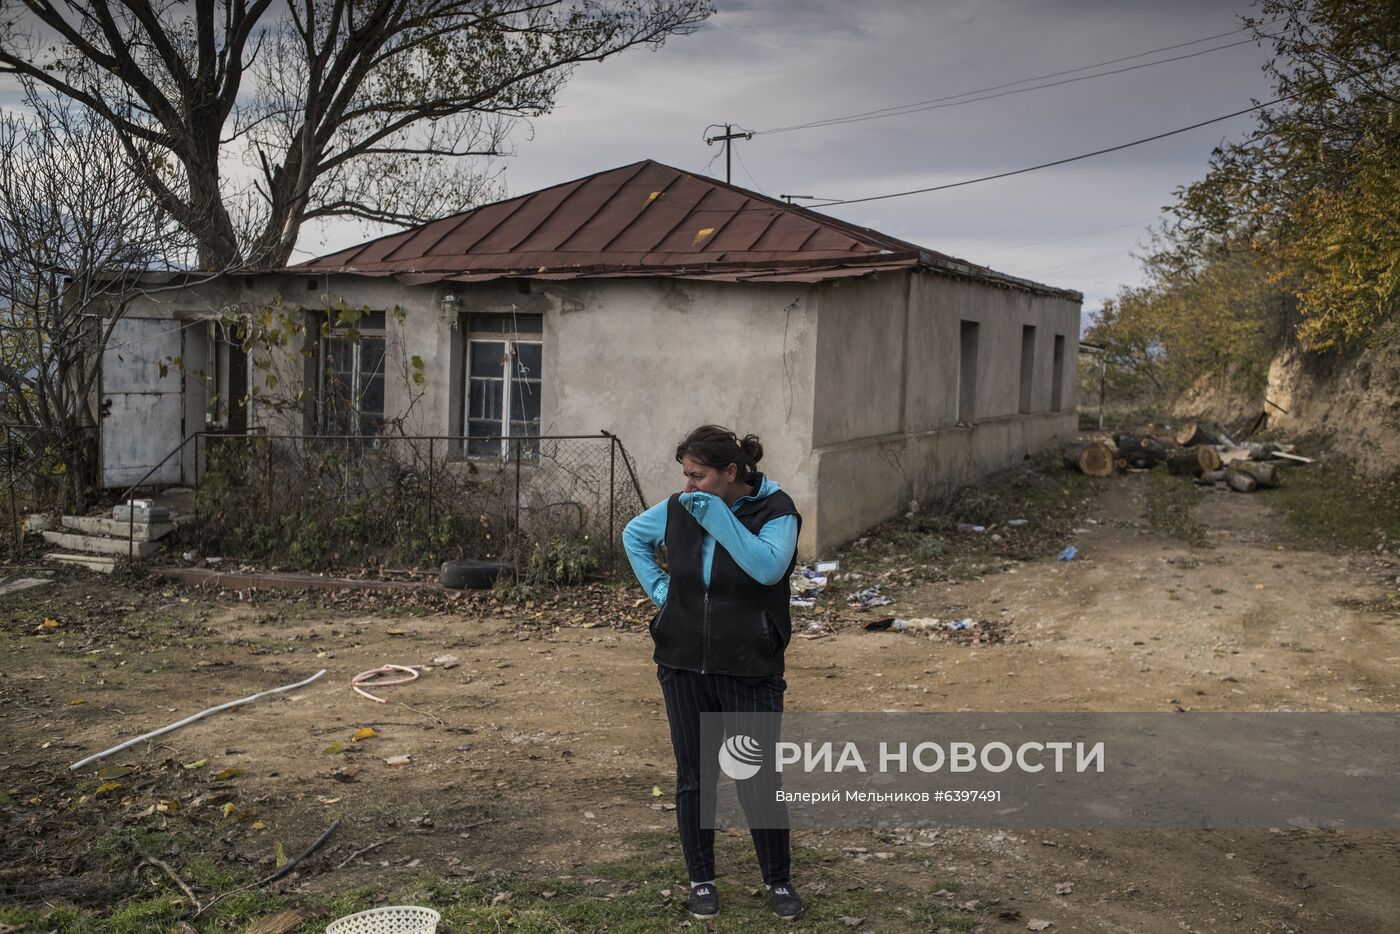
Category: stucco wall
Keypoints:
(852, 385)
(886, 420)
(649, 360)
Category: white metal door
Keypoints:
(144, 409)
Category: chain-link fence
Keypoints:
(36, 462)
(553, 506)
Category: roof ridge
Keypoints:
(622, 217)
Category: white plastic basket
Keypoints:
(393, 919)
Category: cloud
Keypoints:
(763, 64)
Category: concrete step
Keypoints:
(91, 562)
(97, 545)
(116, 528)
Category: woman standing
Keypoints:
(720, 633)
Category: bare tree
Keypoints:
(344, 108)
(80, 238)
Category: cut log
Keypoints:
(1091, 458)
(1193, 433)
(1231, 455)
(1240, 481)
(1193, 461)
(1141, 450)
(1212, 477)
(1266, 475)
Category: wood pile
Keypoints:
(1197, 450)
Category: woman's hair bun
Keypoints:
(751, 446)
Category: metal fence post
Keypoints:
(197, 439)
(612, 500)
(14, 513)
(517, 485)
(432, 512)
(269, 476)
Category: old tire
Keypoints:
(471, 574)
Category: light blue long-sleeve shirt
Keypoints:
(764, 556)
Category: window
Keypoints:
(1027, 367)
(505, 376)
(351, 384)
(967, 373)
(1057, 386)
(216, 377)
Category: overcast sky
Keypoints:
(762, 64)
(765, 64)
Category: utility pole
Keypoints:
(727, 138)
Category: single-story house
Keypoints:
(642, 301)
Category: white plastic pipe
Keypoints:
(188, 720)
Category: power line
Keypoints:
(1047, 165)
(930, 104)
(745, 166)
(1078, 263)
(958, 100)
(1087, 233)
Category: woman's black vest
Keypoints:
(736, 627)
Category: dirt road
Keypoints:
(539, 751)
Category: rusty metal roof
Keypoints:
(640, 220)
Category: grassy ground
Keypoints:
(637, 894)
(1329, 504)
(938, 542)
(1170, 501)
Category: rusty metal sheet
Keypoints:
(640, 219)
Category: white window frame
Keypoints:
(509, 360)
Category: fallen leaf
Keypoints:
(196, 764)
(851, 922)
(226, 774)
(397, 760)
(106, 787)
(329, 801)
(502, 898)
(1064, 888)
(114, 771)
(334, 748)
(396, 632)
(229, 808)
(76, 701)
(258, 825)
(364, 733)
(656, 791)
(1037, 925)
(167, 807)
(279, 855)
(50, 624)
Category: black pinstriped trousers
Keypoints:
(688, 695)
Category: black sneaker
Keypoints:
(703, 901)
(784, 901)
